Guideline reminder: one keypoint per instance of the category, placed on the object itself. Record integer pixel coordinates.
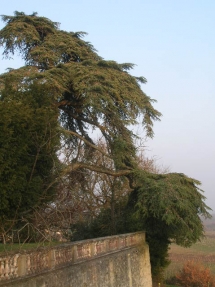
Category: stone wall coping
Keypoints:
(35, 262)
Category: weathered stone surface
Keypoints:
(129, 267)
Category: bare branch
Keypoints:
(87, 142)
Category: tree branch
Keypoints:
(87, 142)
(99, 169)
(78, 117)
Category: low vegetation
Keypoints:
(195, 274)
(202, 253)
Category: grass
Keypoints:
(16, 247)
(203, 252)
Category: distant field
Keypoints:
(203, 252)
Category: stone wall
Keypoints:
(121, 260)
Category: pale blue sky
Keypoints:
(173, 44)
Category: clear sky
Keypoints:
(173, 45)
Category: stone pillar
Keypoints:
(22, 265)
(51, 259)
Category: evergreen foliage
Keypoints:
(29, 139)
(65, 91)
(167, 206)
(64, 74)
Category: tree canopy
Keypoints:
(75, 89)
(61, 97)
